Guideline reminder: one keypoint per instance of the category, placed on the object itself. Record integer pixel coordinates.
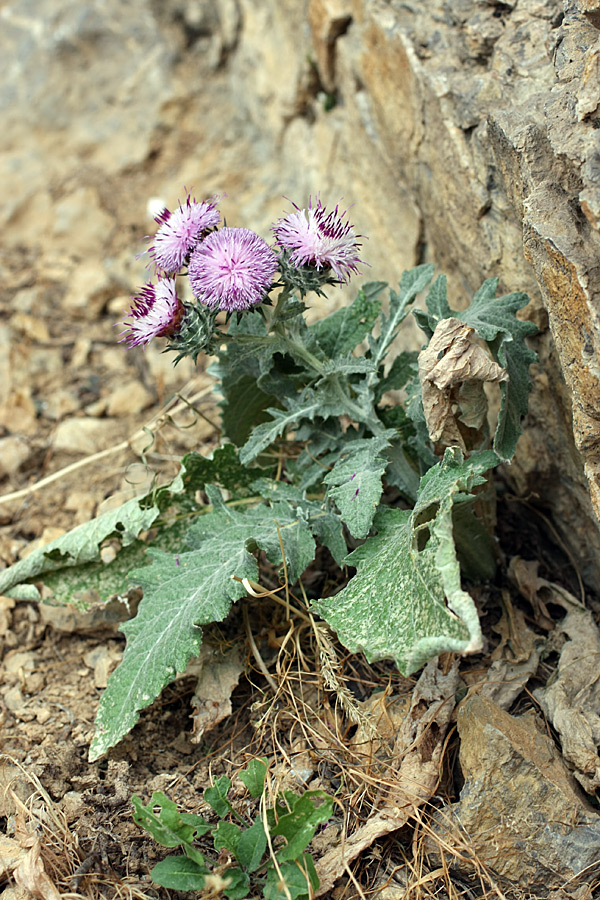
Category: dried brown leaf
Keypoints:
(30, 873)
(417, 753)
(218, 674)
(453, 369)
(572, 699)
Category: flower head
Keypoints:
(232, 269)
(179, 233)
(156, 312)
(319, 239)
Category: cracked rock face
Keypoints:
(519, 811)
(471, 130)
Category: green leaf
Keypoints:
(401, 471)
(191, 589)
(216, 796)
(406, 600)
(252, 846)
(403, 368)
(324, 524)
(238, 886)
(243, 406)
(181, 593)
(222, 468)
(355, 482)
(83, 544)
(93, 584)
(226, 835)
(255, 775)
(179, 873)
(411, 284)
(309, 404)
(297, 881)
(300, 820)
(348, 365)
(168, 827)
(342, 331)
(437, 307)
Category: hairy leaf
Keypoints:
(190, 589)
(494, 318)
(411, 284)
(403, 368)
(342, 331)
(242, 407)
(83, 544)
(222, 468)
(406, 600)
(355, 481)
(310, 403)
(348, 365)
(324, 523)
(495, 321)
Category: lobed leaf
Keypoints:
(406, 600)
(411, 284)
(355, 481)
(495, 321)
(343, 330)
(190, 589)
(83, 544)
(307, 405)
(168, 827)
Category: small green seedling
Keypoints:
(266, 853)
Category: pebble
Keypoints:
(84, 435)
(14, 452)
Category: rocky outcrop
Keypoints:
(466, 134)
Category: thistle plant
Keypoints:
(315, 451)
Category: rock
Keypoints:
(90, 286)
(80, 225)
(520, 812)
(83, 435)
(31, 327)
(14, 452)
(59, 404)
(129, 398)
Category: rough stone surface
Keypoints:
(520, 811)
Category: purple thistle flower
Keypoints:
(156, 312)
(180, 231)
(232, 269)
(316, 238)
